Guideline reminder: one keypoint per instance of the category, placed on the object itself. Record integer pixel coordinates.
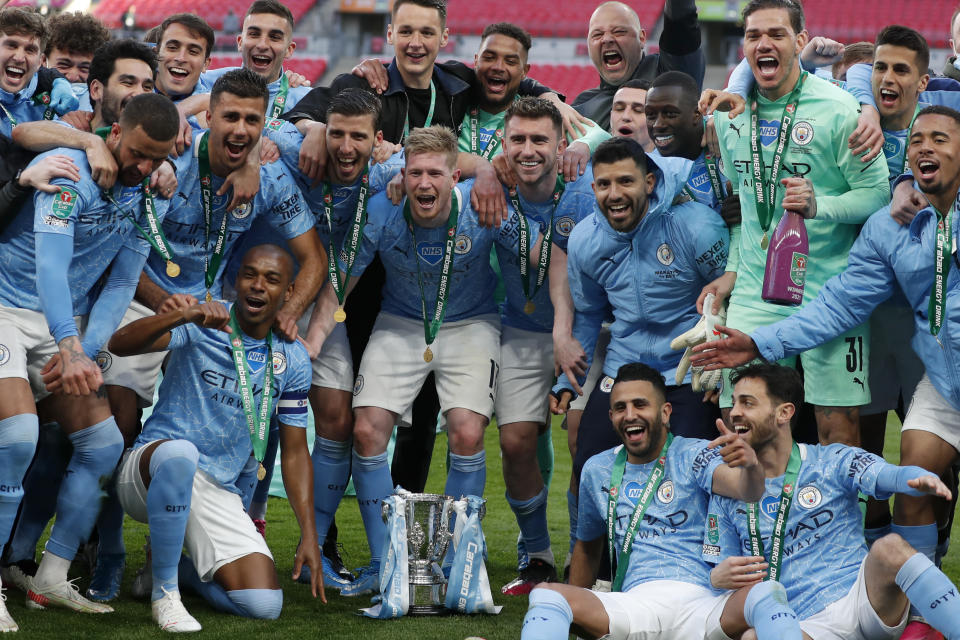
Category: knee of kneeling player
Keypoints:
(261, 604)
(891, 551)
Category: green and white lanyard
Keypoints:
(43, 98)
(429, 120)
(351, 242)
(780, 526)
(944, 248)
(257, 423)
(211, 262)
(431, 325)
(149, 208)
(276, 109)
(764, 192)
(616, 478)
(496, 138)
(543, 263)
(713, 173)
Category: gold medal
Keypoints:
(261, 472)
(173, 269)
(764, 241)
(529, 307)
(209, 297)
(339, 315)
(428, 355)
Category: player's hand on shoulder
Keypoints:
(103, 166)
(395, 189)
(905, 203)
(163, 181)
(38, 175)
(245, 183)
(269, 151)
(79, 120)
(373, 71)
(716, 100)
(313, 153)
(738, 571)
(297, 79)
(384, 151)
(505, 173)
(574, 160)
(286, 324)
(486, 197)
(867, 138)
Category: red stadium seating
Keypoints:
(568, 79)
(566, 19)
(310, 67)
(150, 13)
(854, 21)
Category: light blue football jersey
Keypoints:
(668, 543)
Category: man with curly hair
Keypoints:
(73, 39)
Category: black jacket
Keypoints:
(457, 89)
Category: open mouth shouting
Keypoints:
(178, 73)
(888, 98)
(14, 75)
(618, 212)
(635, 433)
(235, 150)
(496, 85)
(260, 62)
(347, 165)
(927, 169)
(254, 304)
(426, 202)
(767, 67)
(612, 60)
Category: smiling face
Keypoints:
(897, 83)
(137, 154)
(615, 40)
(20, 57)
(772, 48)
(622, 190)
(263, 285)
(73, 66)
(266, 41)
(934, 156)
(182, 57)
(674, 124)
(627, 117)
(640, 416)
(130, 78)
(417, 35)
(428, 180)
(756, 416)
(235, 127)
(350, 141)
(500, 65)
(532, 148)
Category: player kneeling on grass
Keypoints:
(180, 475)
(810, 514)
(656, 487)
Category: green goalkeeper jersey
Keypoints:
(847, 189)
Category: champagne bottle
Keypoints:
(787, 255)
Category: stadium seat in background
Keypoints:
(310, 67)
(151, 13)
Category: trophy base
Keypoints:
(427, 610)
(427, 600)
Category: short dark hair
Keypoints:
(439, 5)
(355, 101)
(900, 36)
(689, 91)
(152, 37)
(534, 109)
(853, 53)
(155, 113)
(636, 83)
(21, 21)
(105, 58)
(784, 384)
(273, 7)
(616, 149)
(511, 31)
(193, 23)
(940, 110)
(639, 372)
(242, 83)
(76, 32)
(792, 8)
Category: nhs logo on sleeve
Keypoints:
(430, 252)
(769, 130)
(769, 506)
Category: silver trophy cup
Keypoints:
(428, 534)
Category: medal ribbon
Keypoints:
(780, 526)
(616, 478)
(211, 263)
(351, 243)
(938, 294)
(155, 234)
(276, 109)
(766, 193)
(258, 424)
(543, 263)
(429, 120)
(431, 325)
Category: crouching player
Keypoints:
(225, 369)
(647, 499)
(807, 533)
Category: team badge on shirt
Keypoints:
(279, 363)
(665, 493)
(242, 211)
(802, 133)
(358, 386)
(665, 254)
(606, 384)
(564, 226)
(4, 355)
(463, 244)
(809, 497)
(104, 360)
